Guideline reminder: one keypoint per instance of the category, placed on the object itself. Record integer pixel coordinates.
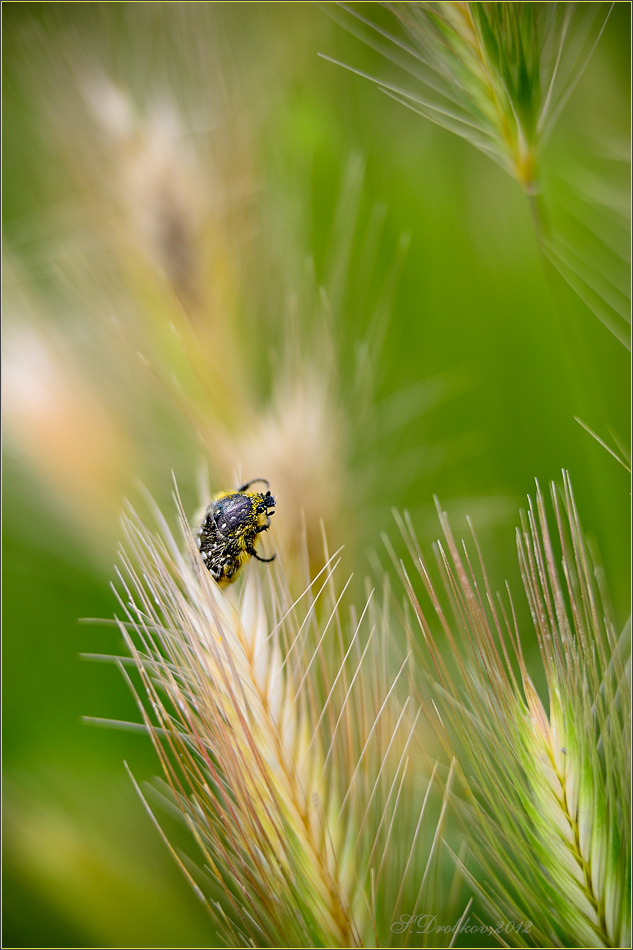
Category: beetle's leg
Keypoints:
(252, 482)
(251, 550)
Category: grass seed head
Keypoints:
(547, 781)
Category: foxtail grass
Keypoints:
(496, 74)
(499, 76)
(286, 743)
(545, 773)
(288, 739)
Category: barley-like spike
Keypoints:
(547, 783)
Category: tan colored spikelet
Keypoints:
(61, 420)
(283, 742)
(547, 784)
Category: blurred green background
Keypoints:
(486, 358)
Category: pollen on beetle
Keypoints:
(226, 545)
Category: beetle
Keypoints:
(230, 527)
